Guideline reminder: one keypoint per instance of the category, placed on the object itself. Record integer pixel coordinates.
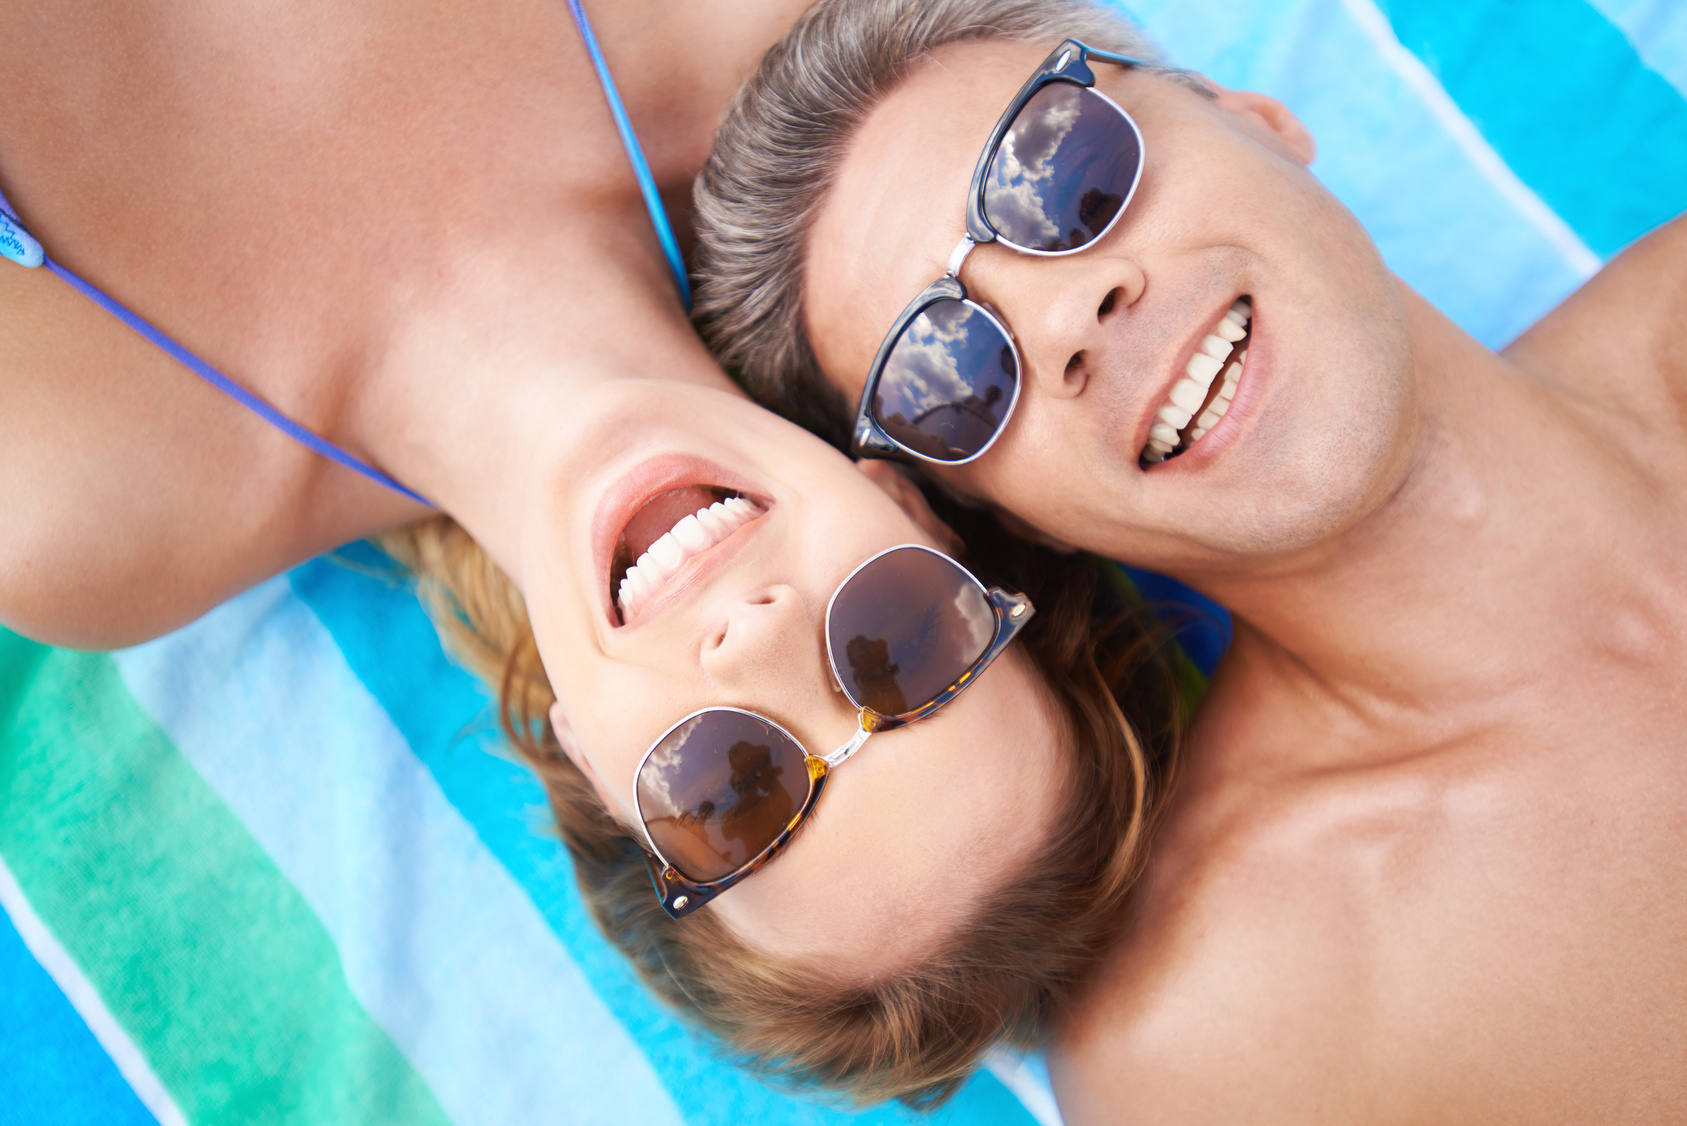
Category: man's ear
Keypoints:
(908, 497)
(1272, 114)
(571, 747)
(1035, 535)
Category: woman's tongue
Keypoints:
(660, 514)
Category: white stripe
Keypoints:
(1028, 1083)
(85, 999)
(1657, 30)
(1451, 235)
(1464, 133)
(439, 943)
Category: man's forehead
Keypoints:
(897, 205)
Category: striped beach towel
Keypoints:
(278, 866)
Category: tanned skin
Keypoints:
(1446, 882)
(410, 228)
(1427, 861)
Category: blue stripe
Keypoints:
(1562, 95)
(52, 1070)
(1203, 627)
(438, 944)
(1439, 222)
(432, 701)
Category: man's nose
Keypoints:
(1060, 310)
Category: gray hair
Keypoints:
(778, 150)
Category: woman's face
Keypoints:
(923, 820)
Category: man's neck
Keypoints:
(1521, 543)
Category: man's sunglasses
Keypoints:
(723, 790)
(1059, 168)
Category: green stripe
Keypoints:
(200, 947)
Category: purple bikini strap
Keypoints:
(310, 440)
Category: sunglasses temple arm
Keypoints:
(1110, 57)
(869, 441)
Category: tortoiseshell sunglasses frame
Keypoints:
(679, 894)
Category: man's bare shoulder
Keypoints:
(1620, 331)
(1478, 931)
(1243, 991)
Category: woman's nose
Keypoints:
(766, 639)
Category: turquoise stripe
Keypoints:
(440, 947)
(205, 957)
(432, 701)
(1658, 31)
(1439, 222)
(1562, 95)
(52, 1070)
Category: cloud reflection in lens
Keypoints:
(1062, 171)
(948, 383)
(719, 789)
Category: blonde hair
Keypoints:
(778, 150)
(919, 1034)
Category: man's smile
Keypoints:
(1199, 398)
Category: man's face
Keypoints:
(1323, 417)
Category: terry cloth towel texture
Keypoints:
(277, 867)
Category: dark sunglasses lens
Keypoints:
(1062, 171)
(948, 383)
(905, 627)
(718, 790)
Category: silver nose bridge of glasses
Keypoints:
(959, 256)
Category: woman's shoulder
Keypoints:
(133, 497)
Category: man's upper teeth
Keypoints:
(1190, 392)
(693, 535)
(1234, 326)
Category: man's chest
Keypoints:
(1499, 940)
(1528, 943)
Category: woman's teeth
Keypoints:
(690, 537)
(1193, 407)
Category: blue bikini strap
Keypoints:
(310, 440)
(635, 153)
(29, 252)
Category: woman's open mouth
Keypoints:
(1199, 399)
(667, 532)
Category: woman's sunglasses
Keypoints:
(1061, 165)
(723, 790)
